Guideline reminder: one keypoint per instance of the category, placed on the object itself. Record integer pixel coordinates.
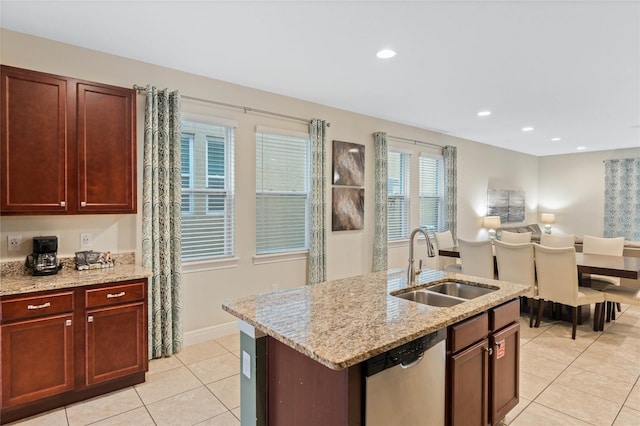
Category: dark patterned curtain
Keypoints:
(380, 230)
(317, 241)
(161, 231)
(451, 189)
(622, 198)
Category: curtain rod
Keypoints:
(141, 89)
(416, 141)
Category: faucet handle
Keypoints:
(417, 272)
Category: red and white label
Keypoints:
(500, 349)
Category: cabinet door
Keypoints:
(37, 359)
(469, 386)
(115, 342)
(106, 149)
(505, 367)
(34, 142)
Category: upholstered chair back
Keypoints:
(515, 263)
(551, 240)
(557, 274)
(599, 245)
(477, 258)
(516, 237)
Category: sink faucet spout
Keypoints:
(411, 272)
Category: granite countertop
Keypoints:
(344, 322)
(15, 280)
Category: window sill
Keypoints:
(261, 259)
(209, 265)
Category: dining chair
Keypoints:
(477, 258)
(605, 246)
(618, 294)
(515, 237)
(516, 264)
(443, 240)
(552, 240)
(557, 274)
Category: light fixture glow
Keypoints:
(484, 113)
(581, 148)
(527, 129)
(555, 139)
(386, 54)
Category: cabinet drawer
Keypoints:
(34, 306)
(505, 314)
(468, 332)
(114, 294)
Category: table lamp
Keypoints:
(547, 219)
(492, 222)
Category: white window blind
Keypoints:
(398, 201)
(431, 192)
(207, 191)
(282, 188)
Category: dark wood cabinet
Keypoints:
(115, 324)
(37, 359)
(51, 357)
(68, 146)
(483, 365)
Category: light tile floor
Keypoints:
(593, 380)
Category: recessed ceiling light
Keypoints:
(527, 129)
(556, 139)
(581, 148)
(484, 113)
(386, 54)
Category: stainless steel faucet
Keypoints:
(411, 272)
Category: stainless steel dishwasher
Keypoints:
(405, 386)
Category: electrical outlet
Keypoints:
(86, 239)
(14, 242)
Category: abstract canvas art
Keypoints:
(348, 164)
(508, 204)
(347, 209)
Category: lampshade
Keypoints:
(491, 222)
(548, 218)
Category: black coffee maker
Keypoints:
(44, 259)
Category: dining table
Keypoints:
(613, 266)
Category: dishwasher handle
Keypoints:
(412, 363)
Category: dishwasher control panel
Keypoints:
(403, 354)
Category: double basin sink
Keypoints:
(448, 293)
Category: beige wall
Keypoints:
(349, 253)
(572, 187)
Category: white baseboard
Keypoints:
(210, 333)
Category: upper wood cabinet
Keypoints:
(68, 146)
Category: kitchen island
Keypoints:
(338, 325)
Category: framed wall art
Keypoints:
(508, 204)
(347, 209)
(348, 164)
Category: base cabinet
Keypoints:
(61, 347)
(37, 359)
(483, 365)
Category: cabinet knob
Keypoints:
(490, 350)
(63, 203)
(83, 204)
(90, 318)
(67, 323)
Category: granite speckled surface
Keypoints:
(344, 322)
(16, 279)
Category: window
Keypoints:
(431, 193)
(398, 202)
(282, 188)
(207, 191)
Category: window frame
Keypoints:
(439, 196)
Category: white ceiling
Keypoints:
(570, 69)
